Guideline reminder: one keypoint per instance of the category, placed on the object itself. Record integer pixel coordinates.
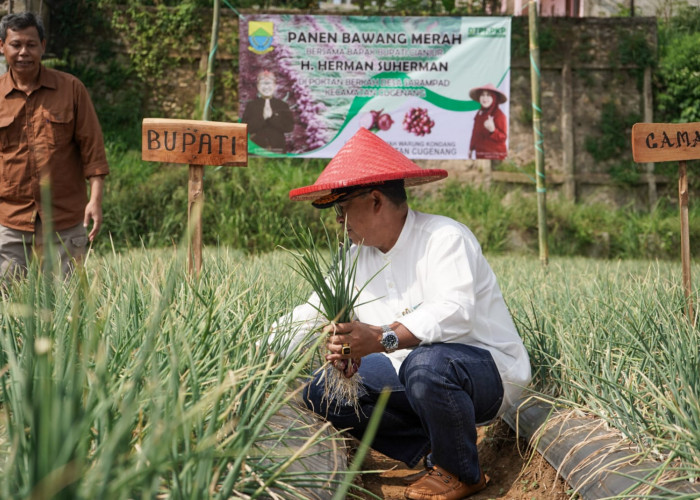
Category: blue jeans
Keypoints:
(441, 393)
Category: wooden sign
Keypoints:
(659, 142)
(194, 142)
(197, 143)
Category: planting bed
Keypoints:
(516, 474)
(594, 458)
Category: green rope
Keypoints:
(210, 97)
(537, 70)
(534, 181)
(212, 54)
(539, 141)
(232, 8)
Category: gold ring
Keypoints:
(345, 350)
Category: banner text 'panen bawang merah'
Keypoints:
(432, 87)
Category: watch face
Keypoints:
(390, 341)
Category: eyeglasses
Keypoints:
(339, 210)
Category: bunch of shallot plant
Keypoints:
(332, 279)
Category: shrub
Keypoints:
(248, 208)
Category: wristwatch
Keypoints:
(389, 339)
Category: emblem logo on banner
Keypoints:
(260, 36)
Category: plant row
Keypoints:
(133, 380)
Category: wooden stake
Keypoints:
(194, 219)
(685, 235)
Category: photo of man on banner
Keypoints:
(268, 117)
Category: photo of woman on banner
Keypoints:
(490, 124)
(268, 117)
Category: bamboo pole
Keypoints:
(685, 235)
(196, 174)
(213, 44)
(538, 136)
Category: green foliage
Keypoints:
(481, 210)
(586, 50)
(72, 22)
(132, 380)
(250, 206)
(249, 209)
(612, 145)
(330, 272)
(613, 141)
(448, 5)
(547, 39)
(520, 45)
(154, 3)
(116, 89)
(520, 37)
(634, 51)
(147, 204)
(419, 7)
(120, 82)
(156, 37)
(678, 75)
(119, 98)
(525, 115)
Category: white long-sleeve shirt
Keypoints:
(437, 283)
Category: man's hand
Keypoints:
(93, 210)
(267, 109)
(361, 338)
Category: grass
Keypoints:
(133, 380)
(612, 339)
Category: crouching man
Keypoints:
(432, 325)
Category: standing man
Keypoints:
(432, 326)
(49, 133)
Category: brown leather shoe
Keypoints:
(412, 478)
(439, 484)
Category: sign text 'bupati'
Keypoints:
(194, 142)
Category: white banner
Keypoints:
(432, 87)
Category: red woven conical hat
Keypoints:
(365, 160)
(476, 92)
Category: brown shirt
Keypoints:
(53, 131)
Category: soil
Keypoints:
(515, 472)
